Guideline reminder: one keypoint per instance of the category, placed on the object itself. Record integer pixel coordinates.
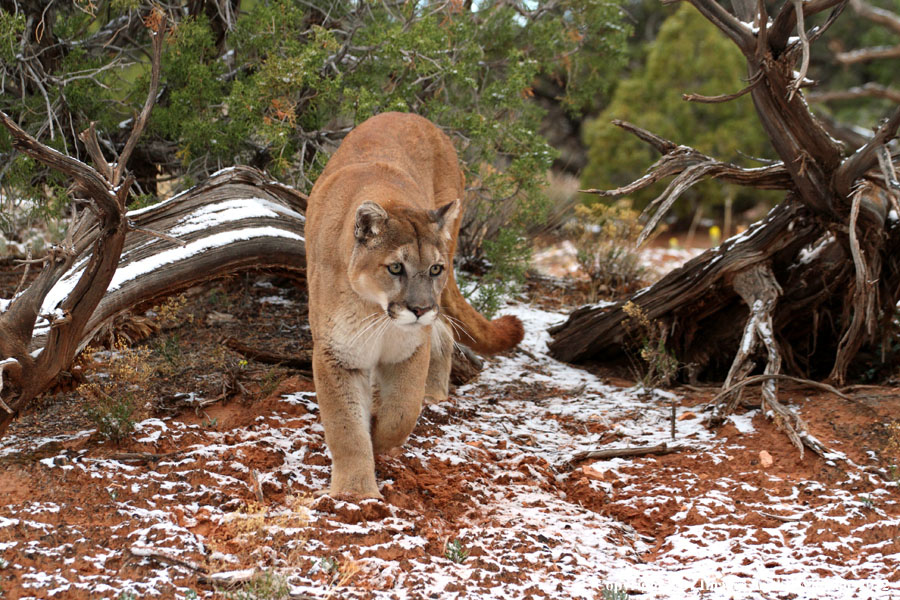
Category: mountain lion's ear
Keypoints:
(370, 218)
(445, 215)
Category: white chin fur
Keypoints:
(428, 318)
(408, 318)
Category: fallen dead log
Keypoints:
(804, 289)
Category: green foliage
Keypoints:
(605, 238)
(612, 592)
(193, 78)
(506, 256)
(114, 416)
(264, 585)
(280, 83)
(689, 55)
(456, 552)
(654, 364)
(11, 28)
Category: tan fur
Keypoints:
(390, 195)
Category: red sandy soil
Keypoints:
(74, 508)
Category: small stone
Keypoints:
(765, 459)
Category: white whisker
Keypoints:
(457, 326)
(370, 322)
(380, 331)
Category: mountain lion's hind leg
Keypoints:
(345, 401)
(400, 391)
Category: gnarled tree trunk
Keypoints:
(828, 251)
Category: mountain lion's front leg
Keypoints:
(345, 401)
(401, 387)
(437, 386)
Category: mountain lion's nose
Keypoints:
(418, 310)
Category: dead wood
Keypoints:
(95, 237)
(302, 363)
(782, 518)
(166, 557)
(145, 457)
(466, 365)
(814, 281)
(257, 488)
(112, 260)
(624, 452)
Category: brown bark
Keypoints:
(153, 252)
(827, 251)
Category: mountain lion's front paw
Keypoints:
(353, 488)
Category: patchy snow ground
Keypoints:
(483, 502)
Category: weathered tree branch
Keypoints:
(868, 90)
(689, 167)
(877, 15)
(867, 54)
(101, 228)
(813, 281)
(866, 157)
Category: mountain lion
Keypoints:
(381, 231)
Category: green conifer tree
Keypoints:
(688, 56)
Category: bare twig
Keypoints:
(863, 317)
(869, 90)
(28, 263)
(689, 167)
(739, 33)
(89, 137)
(145, 457)
(257, 488)
(866, 157)
(804, 44)
(623, 452)
(759, 378)
(782, 518)
(867, 54)
(877, 15)
(166, 557)
(303, 363)
(156, 22)
(724, 97)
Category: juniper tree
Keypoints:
(277, 84)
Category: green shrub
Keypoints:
(652, 98)
(605, 238)
(456, 552)
(278, 86)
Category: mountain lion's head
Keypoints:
(401, 259)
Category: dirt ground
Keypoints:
(213, 494)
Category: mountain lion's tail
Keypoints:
(472, 329)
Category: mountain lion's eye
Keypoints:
(436, 270)
(395, 268)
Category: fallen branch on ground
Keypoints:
(781, 518)
(166, 557)
(301, 362)
(145, 456)
(623, 452)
